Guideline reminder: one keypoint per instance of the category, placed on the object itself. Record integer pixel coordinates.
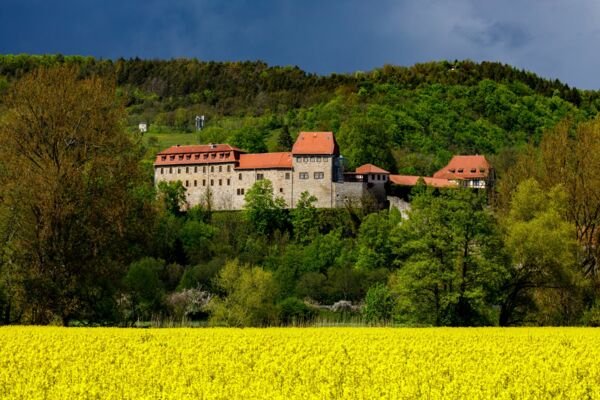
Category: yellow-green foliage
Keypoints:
(299, 363)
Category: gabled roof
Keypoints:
(465, 167)
(410, 180)
(265, 160)
(198, 148)
(315, 143)
(370, 169)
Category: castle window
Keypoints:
(240, 176)
(161, 171)
(305, 159)
(204, 169)
(312, 159)
(187, 183)
(195, 169)
(319, 175)
(203, 182)
(220, 168)
(229, 168)
(195, 183)
(187, 170)
(303, 175)
(170, 170)
(178, 170)
(260, 176)
(298, 159)
(212, 182)
(287, 175)
(280, 190)
(242, 191)
(212, 168)
(228, 182)
(318, 158)
(220, 182)
(325, 159)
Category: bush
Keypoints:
(293, 311)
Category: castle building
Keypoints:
(221, 175)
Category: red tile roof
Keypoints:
(409, 180)
(265, 160)
(370, 169)
(198, 148)
(315, 143)
(198, 154)
(465, 167)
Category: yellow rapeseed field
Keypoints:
(299, 363)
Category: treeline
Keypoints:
(405, 119)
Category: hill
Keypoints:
(406, 119)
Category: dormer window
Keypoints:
(221, 155)
(473, 170)
(172, 157)
(482, 170)
(197, 156)
(188, 156)
(181, 156)
(460, 170)
(453, 170)
(213, 155)
(164, 158)
(205, 156)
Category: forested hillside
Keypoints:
(86, 238)
(406, 119)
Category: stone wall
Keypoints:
(280, 178)
(212, 182)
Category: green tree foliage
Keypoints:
(250, 297)
(447, 259)
(144, 287)
(285, 141)
(375, 249)
(172, 195)
(265, 212)
(73, 174)
(304, 218)
(379, 305)
(541, 246)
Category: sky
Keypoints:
(555, 39)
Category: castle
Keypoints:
(221, 175)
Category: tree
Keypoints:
(285, 141)
(374, 245)
(250, 294)
(145, 288)
(379, 305)
(265, 212)
(73, 174)
(446, 253)
(540, 243)
(172, 195)
(304, 218)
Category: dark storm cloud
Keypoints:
(552, 38)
